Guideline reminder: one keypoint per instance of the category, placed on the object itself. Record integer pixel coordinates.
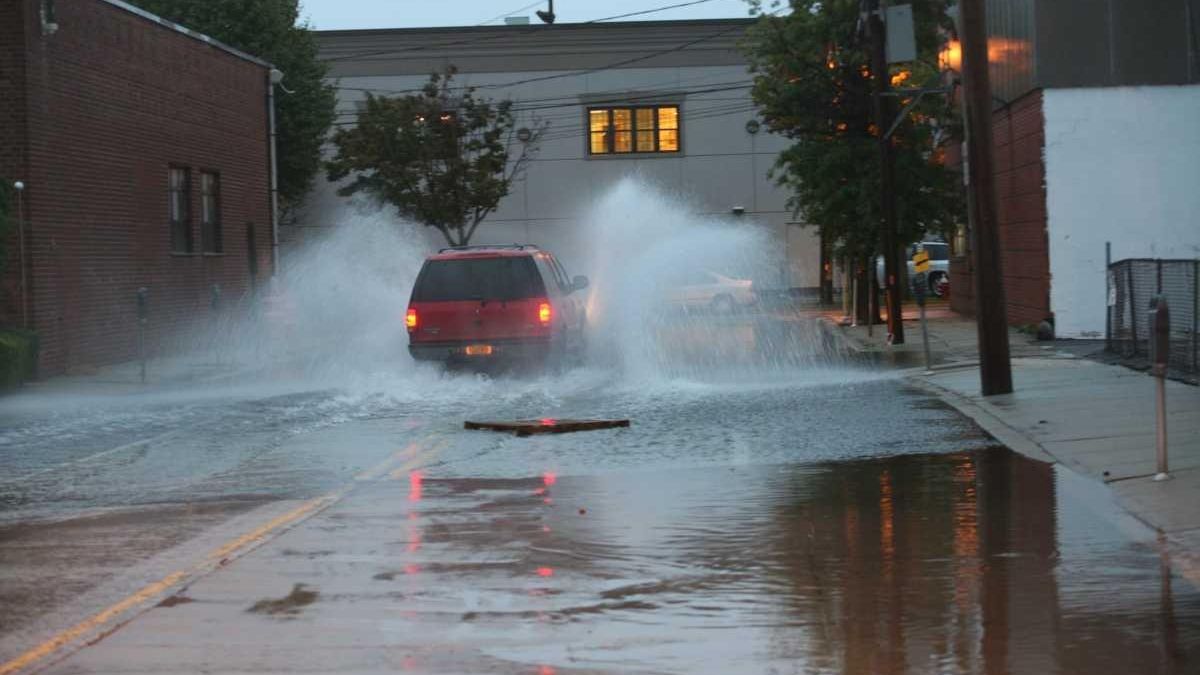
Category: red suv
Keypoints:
(483, 304)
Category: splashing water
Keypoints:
(333, 317)
(664, 304)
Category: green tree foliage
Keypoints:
(813, 84)
(442, 157)
(272, 31)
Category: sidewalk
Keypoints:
(1095, 419)
(126, 377)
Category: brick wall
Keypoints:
(113, 100)
(1019, 142)
(12, 144)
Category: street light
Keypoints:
(547, 16)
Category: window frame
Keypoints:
(633, 131)
(180, 228)
(211, 232)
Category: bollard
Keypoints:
(919, 289)
(1160, 354)
(142, 313)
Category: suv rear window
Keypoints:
(938, 251)
(507, 278)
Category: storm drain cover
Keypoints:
(545, 426)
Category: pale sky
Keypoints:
(344, 14)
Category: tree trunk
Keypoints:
(862, 290)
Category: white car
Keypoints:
(704, 289)
(939, 266)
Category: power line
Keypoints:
(589, 71)
(652, 87)
(618, 100)
(649, 11)
(615, 64)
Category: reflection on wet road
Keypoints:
(971, 562)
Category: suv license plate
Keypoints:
(479, 350)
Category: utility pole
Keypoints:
(887, 170)
(995, 370)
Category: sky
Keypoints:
(350, 14)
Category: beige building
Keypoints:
(666, 102)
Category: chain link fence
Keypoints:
(1132, 283)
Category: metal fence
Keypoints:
(1132, 283)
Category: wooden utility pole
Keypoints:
(887, 171)
(995, 370)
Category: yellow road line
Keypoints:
(401, 472)
(262, 531)
(94, 623)
(62, 639)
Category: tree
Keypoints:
(813, 84)
(442, 157)
(271, 30)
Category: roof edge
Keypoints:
(346, 32)
(195, 35)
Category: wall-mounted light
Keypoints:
(753, 126)
(49, 18)
(950, 58)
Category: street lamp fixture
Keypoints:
(547, 16)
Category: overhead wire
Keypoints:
(649, 11)
(617, 100)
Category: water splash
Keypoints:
(650, 314)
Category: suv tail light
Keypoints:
(410, 320)
(545, 313)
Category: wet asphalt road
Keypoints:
(760, 515)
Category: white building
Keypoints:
(1097, 142)
(677, 94)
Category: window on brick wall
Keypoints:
(628, 130)
(210, 212)
(178, 189)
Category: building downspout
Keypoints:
(274, 77)
(19, 186)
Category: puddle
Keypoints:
(290, 605)
(970, 562)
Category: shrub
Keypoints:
(18, 357)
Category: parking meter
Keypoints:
(1160, 335)
(1160, 354)
(142, 303)
(920, 287)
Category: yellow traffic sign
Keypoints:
(921, 261)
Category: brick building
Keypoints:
(144, 150)
(1096, 141)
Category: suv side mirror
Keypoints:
(579, 283)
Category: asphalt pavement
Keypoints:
(776, 506)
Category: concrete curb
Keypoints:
(1185, 556)
(988, 421)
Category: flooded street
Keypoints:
(810, 517)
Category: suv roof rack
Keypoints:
(484, 247)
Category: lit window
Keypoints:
(636, 129)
